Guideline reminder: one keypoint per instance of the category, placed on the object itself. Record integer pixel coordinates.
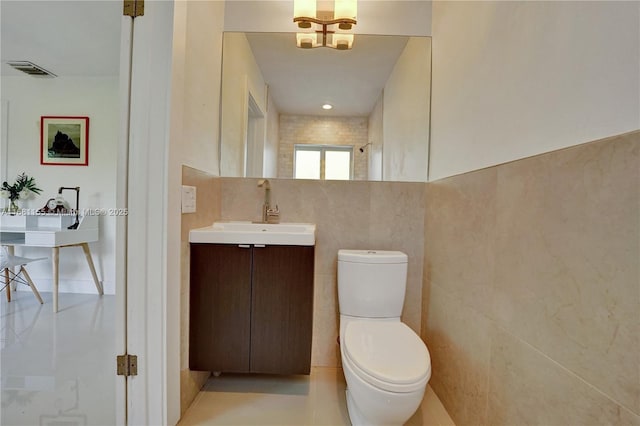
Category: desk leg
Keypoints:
(7, 284)
(87, 254)
(55, 260)
(11, 250)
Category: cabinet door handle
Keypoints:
(244, 245)
(259, 245)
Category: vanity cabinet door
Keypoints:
(282, 309)
(220, 308)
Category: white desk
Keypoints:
(51, 231)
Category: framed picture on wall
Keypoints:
(64, 141)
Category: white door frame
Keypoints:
(121, 221)
(150, 398)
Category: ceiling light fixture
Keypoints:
(327, 106)
(344, 15)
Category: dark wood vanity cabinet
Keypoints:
(251, 308)
(220, 303)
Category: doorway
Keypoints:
(254, 146)
(60, 367)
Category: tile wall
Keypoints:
(531, 302)
(207, 211)
(314, 130)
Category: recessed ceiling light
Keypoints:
(327, 106)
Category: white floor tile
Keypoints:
(57, 369)
(318, 399)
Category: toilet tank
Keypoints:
(371, 283)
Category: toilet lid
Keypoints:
(388, 351)
(371, 256)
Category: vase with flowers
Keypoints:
(23, 188)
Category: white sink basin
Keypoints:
(294, 234)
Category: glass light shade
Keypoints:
(345, 9)
(342, 41)
(307, 40)
(304, 8)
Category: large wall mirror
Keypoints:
(273, 123)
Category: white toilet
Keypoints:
(385, 363)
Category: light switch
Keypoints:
(188, 199)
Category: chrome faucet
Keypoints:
(269, 214)
(267, 197)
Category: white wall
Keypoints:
(4, 117)
(97, 98)
(515, 79)
(202, 73)
(376, 137)
(396, 17)
(241, 76)
(406, 114)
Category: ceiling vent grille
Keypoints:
(30, 68)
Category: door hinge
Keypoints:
(133, 8)
(127, 365)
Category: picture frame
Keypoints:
(64, 141)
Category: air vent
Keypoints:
(30, 68)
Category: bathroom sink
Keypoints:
(295, 234)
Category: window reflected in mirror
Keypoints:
(326, 162)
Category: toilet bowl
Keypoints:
(386, 365)
(387, 368)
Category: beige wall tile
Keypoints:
(208, 200)
(547, 249)
(426, 268)
(431, 412)
(568, 280)
(528, 388)
(326, 322)
(458, 340)
(397, 223)
(191, 382)
(460, 235)
(242, 199)
(340, 223)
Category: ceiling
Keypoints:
(301, 80)
(67, 38)
(82, 39)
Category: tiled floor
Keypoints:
(318, 399)
(57, 369)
